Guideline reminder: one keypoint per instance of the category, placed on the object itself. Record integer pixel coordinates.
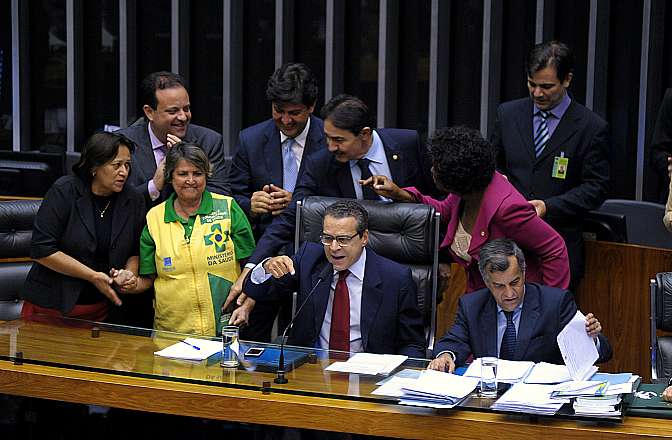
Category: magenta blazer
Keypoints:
(505, 214)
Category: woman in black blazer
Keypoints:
(85, 238)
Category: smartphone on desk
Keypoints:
(254, 352)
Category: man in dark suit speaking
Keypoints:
(511, 319)
(366, 303)
(554, 150)
(167, 121)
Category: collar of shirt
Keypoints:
(559, 110)
(376, 153)
(204, 208)
(300, 139)
(156, 143)
(357, 268)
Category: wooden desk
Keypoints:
(132, 354)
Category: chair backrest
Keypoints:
(407, 233)
(12, 277)
(16, 227)
(605, 226)
(644, 221)
(661, 319)
(29, 173)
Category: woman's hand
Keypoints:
(384, 186)
(124, 279)
(104, 284)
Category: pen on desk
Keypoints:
(191, 345)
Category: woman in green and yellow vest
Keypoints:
(192, 247)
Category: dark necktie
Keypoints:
(339, 335)
(542, 135)
(508, 348)
(367, 191)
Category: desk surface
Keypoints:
(120, 376)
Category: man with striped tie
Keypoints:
(511, 319)
(554, 150)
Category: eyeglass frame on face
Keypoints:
(343, 241)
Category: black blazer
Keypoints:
(390, 320)
(258, 162)
(546, 311)
(65, 222)
(143, 163)
(325, 176)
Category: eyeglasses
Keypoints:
(342, 241)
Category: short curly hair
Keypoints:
(462, 160)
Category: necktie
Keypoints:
(289, 168)
(542, 135)
(368, 192)
(508, 348)
(339, 336)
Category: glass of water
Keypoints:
(488, 377)
(230, 346)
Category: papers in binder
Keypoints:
(529, 398)
(577, 348)
(437, 389)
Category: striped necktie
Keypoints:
(542, 135)
(508, 348)
(289, 168)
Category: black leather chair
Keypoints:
(16, 226)
(661, 319)
(407, 233)
(644, 221)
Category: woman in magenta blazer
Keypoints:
(482, 205)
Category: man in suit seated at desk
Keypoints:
(367, 302)
(511, 319)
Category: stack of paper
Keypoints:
(529, 398)
(369, 363)
(580, 388)
(545, 373)
(437, 389)
(598, 406)
(507, 371)
(192, 349)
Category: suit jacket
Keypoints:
(65, 222)
(583, 138)
(258, 162)
(390, 319)
(661, 143)
(546, 311)
(143, 164)
(505, 213)
(324, 176)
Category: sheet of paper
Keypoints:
(368, 363)
(442, 385)
(577, 348)
(187, 351)
(507, 371)
(393, 387)
(580, 388)
(529, 398)
(545, 373)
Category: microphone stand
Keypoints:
(280, 376)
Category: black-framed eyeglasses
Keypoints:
(342, 240)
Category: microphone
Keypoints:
(326, 271)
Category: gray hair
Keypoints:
(192, 153)
(494, 257)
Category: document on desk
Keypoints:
(545, 373)
(437, 389)
(192, 349)
(369, 363)
(507, 371)
(529, 398)
(580, 388)
(577, 348)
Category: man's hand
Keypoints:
(159, 178)
(103, 283)
(383, 186)
(236, 288)
(171, 140)
(261, 202)
(279, 266)
(539, 206)
(667, 394)
(443, 363)
(241, 316)
(280, 199)
(593, 326)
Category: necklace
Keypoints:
(102, 213)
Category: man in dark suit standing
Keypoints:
(511, 319)
(167, 121)
(554, 150)
(266, 165)
(354, 152)
(367, 302)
